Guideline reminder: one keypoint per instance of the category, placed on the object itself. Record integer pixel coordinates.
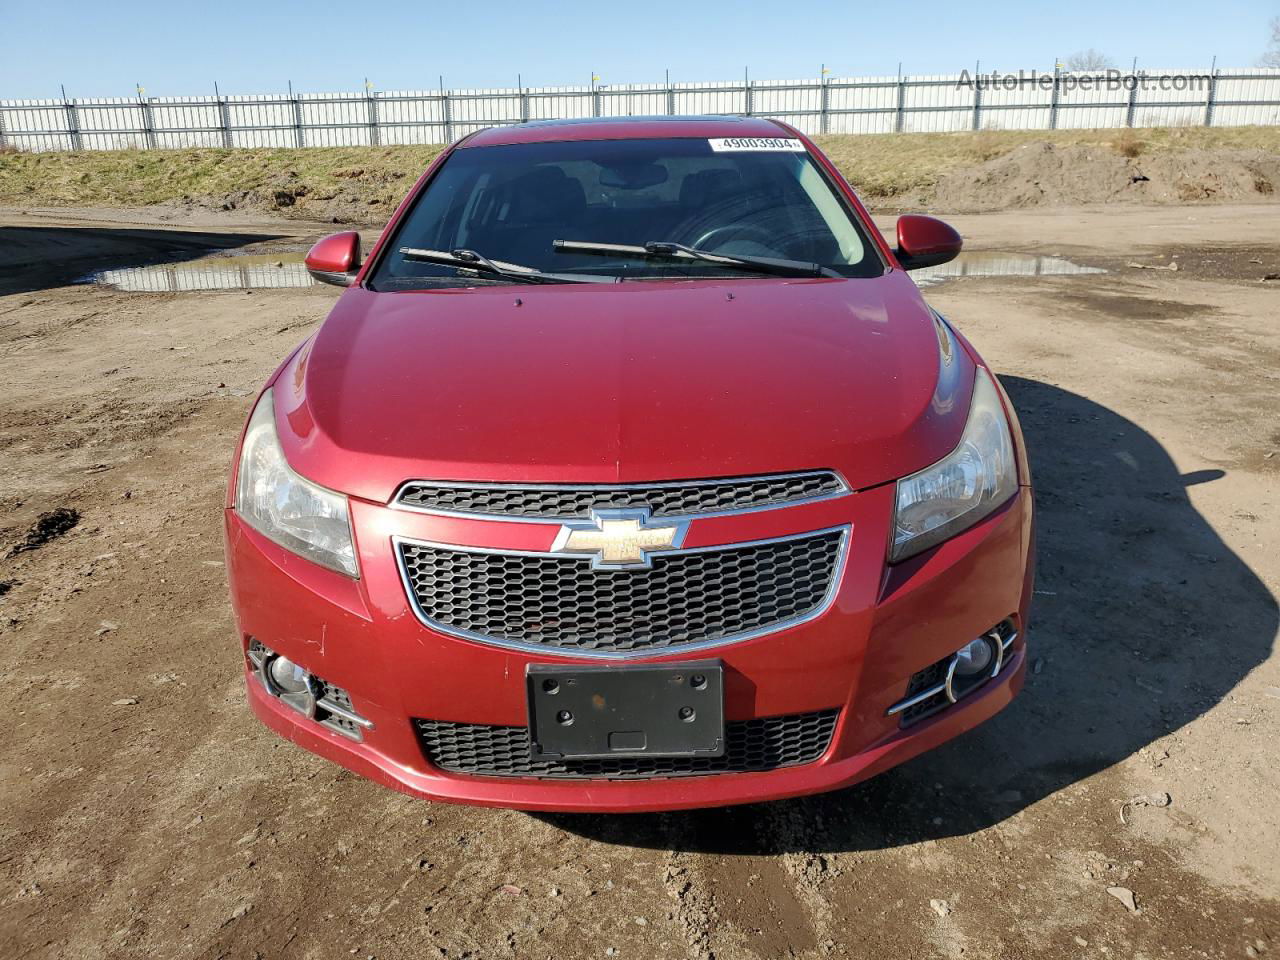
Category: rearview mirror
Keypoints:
(634, 176)
(925, 242)
(335, 259)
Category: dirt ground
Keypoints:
(145, 813)
(1048, 174)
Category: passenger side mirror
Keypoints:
(925, 242)
(335, 259)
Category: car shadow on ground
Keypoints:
(36, 257)
(1143, 620)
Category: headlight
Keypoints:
(279, 504)
(964, 486)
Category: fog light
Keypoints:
(287, 676)
(291, 683)
(974, 657)
(956, 675)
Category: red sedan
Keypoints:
(630, 472)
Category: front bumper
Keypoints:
(884, 625)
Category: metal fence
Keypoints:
(1026, 100)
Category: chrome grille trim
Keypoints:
(545, 649)
(833, 487)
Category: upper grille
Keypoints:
(662, 499)
(765, 743)
(685, 598)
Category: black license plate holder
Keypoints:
(596, 712)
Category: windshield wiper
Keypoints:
(469, 260)
(666, 250)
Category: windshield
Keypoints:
(735, 198)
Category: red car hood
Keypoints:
(635, 382)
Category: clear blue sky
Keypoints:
(172, 49)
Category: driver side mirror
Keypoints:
(335, 259)
(925, 242)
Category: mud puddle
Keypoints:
(286, 270)
(271, 271)
(1000, 265)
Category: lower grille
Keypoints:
(765, 743)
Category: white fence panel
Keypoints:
(262, 121)
(1244, 116)
(1022, 103)
(116, 124)
(474, 110)
(633, 100)
(411, 116)
(41, 125)
(935, 103)
(1247, 97)
(862, 105)
(694, 98)
(786, 98)
(559, 103)
(1085, 102)
(187, 122)
(335, 120)
(797, 102)
(1169, 115)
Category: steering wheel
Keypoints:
(746, 231)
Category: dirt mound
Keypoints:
(344, 196)
(1040, 173)
(1043, 174)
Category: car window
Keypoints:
(511, 203)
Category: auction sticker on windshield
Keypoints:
(731, 144)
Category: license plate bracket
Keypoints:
(597, 712)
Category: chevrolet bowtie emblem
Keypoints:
(619, 539)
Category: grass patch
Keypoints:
(127, 178)
(370, 180)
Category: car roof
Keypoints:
(626, 128)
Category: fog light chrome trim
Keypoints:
(340, 711)
(947, 686)
(920, 697)
(314, 704)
